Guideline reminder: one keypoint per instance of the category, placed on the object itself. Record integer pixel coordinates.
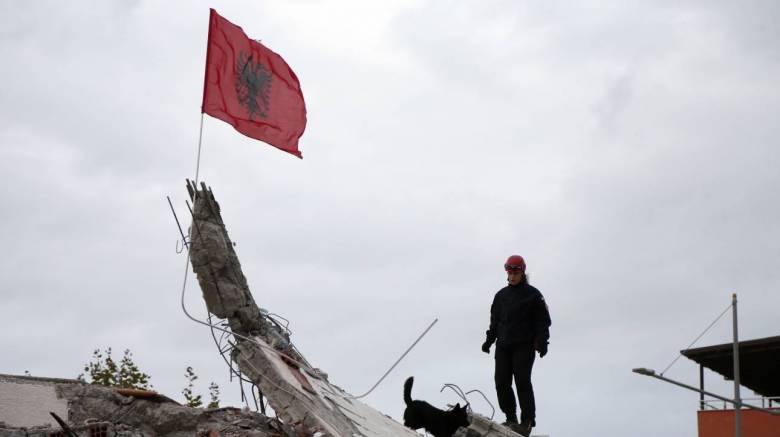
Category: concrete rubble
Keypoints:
(97, 411)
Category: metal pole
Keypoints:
(737, 400)
(399, 359)
(200, 142)
(701, 387)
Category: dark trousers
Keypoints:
(516, 362)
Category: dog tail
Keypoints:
(408, 390)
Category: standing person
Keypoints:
(520, 321)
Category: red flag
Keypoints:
(252, 88)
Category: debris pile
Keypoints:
(96, 411)
(306, 403)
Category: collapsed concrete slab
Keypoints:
(300, 394)
(97, 411)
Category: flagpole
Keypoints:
(200, 143)
(212, 15)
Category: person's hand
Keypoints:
(541, 347)
(486, 347)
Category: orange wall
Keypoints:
(720, 423)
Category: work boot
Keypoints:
(511, 419)
(524, 428)
(517, 428)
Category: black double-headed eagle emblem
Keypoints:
(253, 86)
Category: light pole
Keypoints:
(738, 402)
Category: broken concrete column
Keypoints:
(218, 270)
(221, 279)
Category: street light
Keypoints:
(737, 403)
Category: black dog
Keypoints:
(420, 414)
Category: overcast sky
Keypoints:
(628, 150)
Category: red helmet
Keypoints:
(515, 262)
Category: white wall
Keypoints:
(27, 402)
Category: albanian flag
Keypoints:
(252, 88)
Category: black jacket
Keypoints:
(518, 315)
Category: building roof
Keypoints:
(759, 361)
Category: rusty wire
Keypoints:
(233, 371)
(457, 391)
(490, 404)
(464, 396)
